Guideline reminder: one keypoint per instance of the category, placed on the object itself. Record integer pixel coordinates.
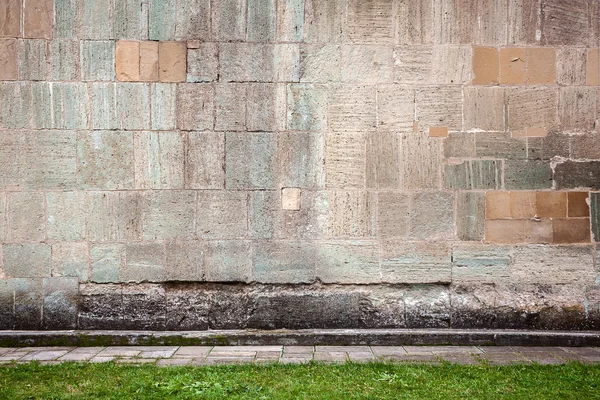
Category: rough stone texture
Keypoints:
(194, 107)
(284, 262)
(66, 213)
(348, 262)
(415, 262)
(573, 175)
(470, 214)
(222, 214)
(60, 303)
(159, 160)
(28, 260)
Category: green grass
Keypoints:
(309, 381)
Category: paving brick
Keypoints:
(228, 261)
(172, 61)
(349, 261)
(475, 262)
(159, 160)
(500, 145)
(470, 215)
(366, 63)
(184, 261)
(230, 107)
(306, 107)
(94, 22)
(145, 262)
(133, 104)
(266, 107)
(148, 62)
(64, 60)
(370, 22)
(98, 60)
(127, 19)
(38, 19)
(484, 108)
(431, 216)
(565, 24)
(415, 262)
(350, 214)
(383, 160)
(107, 262)
(421, 159)
(9, 70)
(203, 63)
(571, 66)
(222, 214)
(352, 108)
(393, 213)
(577, 109)
(26, 217)
(205, 160)
(320, 63)
(27, 260)
(300, 160)
(228, 22)
(250, 161)
(573, 174)
(60, 308)
(345, 159)
(113, 216)
(168, 214)
(97, 166)
(284, 262)
(195, 106)
(162, 21)
(33, 59)
(395, 107)
(66, 216)
(10, 18)
(473, 174)
(440, 106)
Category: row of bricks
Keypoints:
(348, 262)
(379, 21)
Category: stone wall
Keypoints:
(198, 164)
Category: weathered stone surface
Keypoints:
(192, 20)
(571, 66)
(164, 106)
(228, 261)
(60, 308)
(184, 261)
(10, 18)
(114, 216)
(37, 19)
(484, 108)
(33, 60)
(475, 174)
(440, 106)
(148, 61)
(222, 214)
(395, 107)
(3, 217)
(459, 145)
(168, 214)
(98, 60)
(393, 214)
(324, 21)
(230, 107)
(64, 60)
(95, 22)
(250, 160)
(261, 21)
(575, 174)
(172, 62)
(284, 262)
(202, 63)
(144, 307)
(480, 263)
(531, 108)
(595, 213)
(300, 159)
(127, 59)
(159, 160)
(420, 161)
(415, 262)
(564, 24)
(290, 20)
(195, 106)
(26, 217)
(577, 109)
(584, 146)
(145, 263)
(162, 19)
(370, 21)
(306, 107)
(228, 22)
(350, 213)
(265, 107)
(431, 216)
(555, 144)
(7, 304)
(66, 213)
(28, 303)
(100, 306)
(187, 311)
(531, 174)
(320, 63)
(352, 108)
(500, 145)
(383, 160)
(345, 160)
(107, 262)
(205, 160)
(433, 64)
(427, 307)
(8, 60)
(470, 215)
(133, 102)
(366, 63)
(349, 261)
(127, 22)
(27, 260)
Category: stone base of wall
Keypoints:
(62, 303)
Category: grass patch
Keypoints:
(309, 381)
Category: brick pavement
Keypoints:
(214, 355)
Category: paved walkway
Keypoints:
(209, 355)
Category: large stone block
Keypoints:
(480, 263)
(184, 261)
(349, 261)
(577, 109)
(203, 63)
(195, 106)
(127, 23)
(585, 146)
(26, 217)
(9, 60)
(162, 19)
(527, 175)
(222, 214)
(577, 174)
(345, 158)
(70, 260)
(66, 216)
(415, 262)
(7, 304)
(565, 24)
(172, 62)
(395, 107)
(284, 262)
(100, 306)
(250, 161)
(15, 104)
(383, 160)
(205, 160)
(421, 159)
(555, 144)
(532, 107)
(352, 108)
(114, 216)
(473, 174)
(228, 261)
(97, 60)
(459, 145)
(187, 308)
(65, 13)
(159, 162)
(306, 107)
(300, 160)
(290, 20)
(105, 114)
(107, 262)
(484, 108)
(145, 262)
(192, 20)
(500, 145)
(164, 106)
(320, 63)
(133, 102)
(440, 106)
(27, 260)
(595, 212)
(370, 21)
(230, 107)
(393, 212)
(261, 21)
(61, 297)
(168, 214)
(470, 215)
(3, 217)
(38, 18)
(571, 64)
(266, 107)
(246, 62)
(431, 216)
(350, 214)
(433, 64)
(64, 60)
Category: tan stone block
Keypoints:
(393, 214)
(505, 230)
(571, 66)
(366, 63)
(484, 108)
(551, 204)
(10, 18)
(352, 108)
(577, 108)
(578, 204)
(571, 230)
(149, 61)
(8, 60)
(497, 205)
(522, 204)
(345, 160)
(370, 21)
(395, 107)
(532, 107)
(530, 132)
(486, 65)
(541, 65)
(440, 106)
(592, 70)
(127, 60)
(421, 159)
(512, 66)
(172, 61)
(290, 199)
(383, 160)
(350, 213)
(38, 16)
(538, 231)
(438, 131)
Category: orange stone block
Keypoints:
(541, 65)
(127, 59)
(538, 231)
(551, 204)
(38, 17)
(8, 60)
(505, 230)
(522, 204)
(592, 75)
(485, 65)
(149, 61)
(578, 206)
(571, 230)
(438, 131)
(10, 18)
(172, 61)
(512, 66)
(497, 205)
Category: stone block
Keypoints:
(541, 66)
(577, 109)
(290, 21)
(497, 205)
(351, 214)
(184, 261)
(370, 21)
(395, 107)
(145, 262)
(114, 216)
(38, 19)
(320, 63)
(245, 62)
(484, 108)
(512, 66)
(345, 157)
(228, 20)
(592, 68)
(28, 303)
(162, 22)
(571, 230)
(523, 25)
(393, 214)
(187, 310)
(148, 60)
(284, 262)
(205, 160)
(300, 159)
(420, 161)
(473, 174)
(366, 64)
(518, 231)
(27, 260)
(350, 261)
(9, 70)
(65, 12)
(105, 114)
(172, 62)
(228, 261)
(195, 106)
(480, 263)
(66, 216)
(266, 107)
(324, 21)
(470, 214)
(555, 144)
(527, 175)
(94, 22)
(105, 160)
(290, 199)
(10, 18)
(168, 214)
(427, 306)
(222, 214)
(578, 204)
(33, 59)
(500, 145)
(383, 160)
(101, 306)
(144, 307)
(133, 104)
(431, 216)
(64, 60)
(261, 21)
(164, 103)
(352, 108)
(16, 103)
(26, 216)
(531, 108)
(486, 66)
(433, 64)
(551, 204)
(306, 107)
(230, 107)
(414, 22)
(107, 262)
(203, 63)
(415, 262)
(60, 105)
(250, 162)
(565, 24)
(553, 265)
(70, 260)
(584, 146)
(61, 297)
(440, 106)
(3, 217)
(523, 204)
(127, 23)
(574, 174)
(159, 162)
(459, 145)
(98, 60)
(595, 213)
(571, 66)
